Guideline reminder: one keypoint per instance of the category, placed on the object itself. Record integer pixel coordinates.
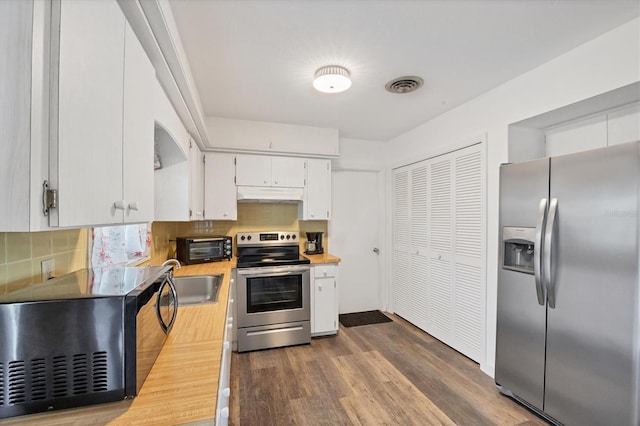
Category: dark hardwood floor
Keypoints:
(380, 374)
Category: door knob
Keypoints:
(376, 250)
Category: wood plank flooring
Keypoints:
(379, 374)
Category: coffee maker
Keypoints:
(314, 243)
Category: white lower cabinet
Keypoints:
(224, 383)
(324, 299)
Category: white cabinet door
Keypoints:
(220, 198)
(15, 113)
(139, 86)
(317, 191)
(89, 113)
(258, 170)
(287, 172)
(196, 183)
(325, 300)
(253, 170)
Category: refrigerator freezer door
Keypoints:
(521, 320)
(592, 346)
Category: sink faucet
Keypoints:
(174, 262)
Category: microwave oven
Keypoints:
(191, 250)
(84, 338)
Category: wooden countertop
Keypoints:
(182, 386)
(183, 383)
(322, 258)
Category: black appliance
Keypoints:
(87, 337)
(273, 289)
(192, 250)
(314, 243)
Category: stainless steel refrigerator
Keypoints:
(568, 317)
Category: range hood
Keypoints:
(269, 194)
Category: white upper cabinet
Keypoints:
(220, 189)
(196, 201)
(257, 170)
(89, 115)
(15, 114)
(139, 87)
(275, 138)
(101, 140)
(287, 172)
(317, 192)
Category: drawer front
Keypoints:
(325, 270)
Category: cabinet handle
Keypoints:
(119, 205)
(133, 206)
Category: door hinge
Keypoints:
(204, 159)
(305, 182)
(190, 213)
(327, 166)
(49, 198)
(334, 284)
(234, 179)
(234, 161)
(327, 214)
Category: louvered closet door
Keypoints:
(440, 223)
(419, 282)
(401, 242)
(469, 270)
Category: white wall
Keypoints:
(360, 154)
(603, 64)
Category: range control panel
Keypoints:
(267, 238)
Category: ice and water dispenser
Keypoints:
(519, 244)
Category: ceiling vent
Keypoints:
(404, 84)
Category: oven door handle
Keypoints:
(276, 270)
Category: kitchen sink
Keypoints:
(198, 289)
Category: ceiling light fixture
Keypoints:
(332, 79)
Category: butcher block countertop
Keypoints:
(182, 386)
(183, 383)
(322, 258)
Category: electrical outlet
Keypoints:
(48, 269)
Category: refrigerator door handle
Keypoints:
(538, 251)
(548, 246)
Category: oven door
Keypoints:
(273, 295)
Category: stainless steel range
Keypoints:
(273, 291)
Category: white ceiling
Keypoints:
(255, 59)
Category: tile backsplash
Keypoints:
(251, 217)
(21, 254)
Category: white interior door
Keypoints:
(353, 236)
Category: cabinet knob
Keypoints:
(224, 413)
(320, 287)
(119, 205)
(226, 392)
(265, 181)
(226, 345)
(224, 214)
(133, 206)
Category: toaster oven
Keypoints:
(191, 250)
